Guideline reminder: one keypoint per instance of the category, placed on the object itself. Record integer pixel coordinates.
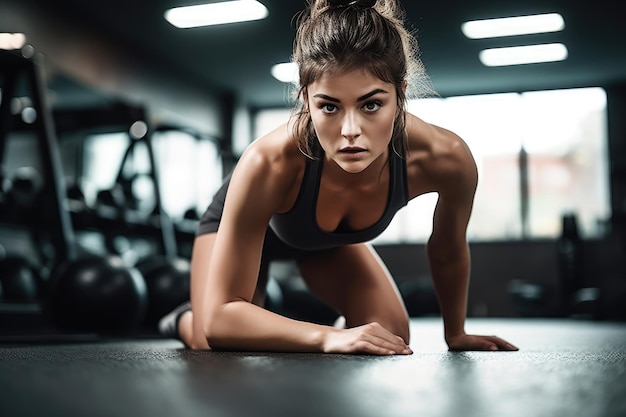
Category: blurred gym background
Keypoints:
(116, 127)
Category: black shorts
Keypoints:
(273, 247)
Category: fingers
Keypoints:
(381, 349)
(495, 343)
(500, 344)
(372, 339)
(490, 343)
(380, 346)
(380, 339)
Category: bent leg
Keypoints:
(354, 280)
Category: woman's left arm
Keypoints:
(447, 248)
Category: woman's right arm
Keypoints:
(230, 320)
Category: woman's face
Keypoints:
(353, 115)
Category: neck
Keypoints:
(373, 175)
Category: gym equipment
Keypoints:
(274, 299)
(167, 284)
(97, 294)
(569, 248)
(82, 293)
(111, 203)
(419, 297)
(301, 304)
(4, 185)
(19, 279)
(26, 187)
(121, 202)
(531, 299)
(24, 70)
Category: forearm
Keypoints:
(451, 280)
(243, 326)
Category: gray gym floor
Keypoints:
(563, 368)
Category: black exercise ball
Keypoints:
(167, 282)
(19, 278)
(98, 294)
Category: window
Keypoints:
(567, 148)
(539, 155)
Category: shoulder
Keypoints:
(274, 151)
(438, 159)
(270, 166)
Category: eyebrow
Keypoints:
(363, 97)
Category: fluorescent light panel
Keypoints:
(216, 13)
(513, 26)
(528, 54)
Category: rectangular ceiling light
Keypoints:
(513, 26)
(528, 54)
(216, 13)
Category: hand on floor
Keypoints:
(372, 339)
(472, 342)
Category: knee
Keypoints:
(402, 328)
(400, 325)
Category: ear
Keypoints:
(305, 94)
(405, 84)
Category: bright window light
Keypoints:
(286, 72)
(216, 13)
(512, 26)
(11, 41)
(528, 54)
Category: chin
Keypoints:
(353, 168)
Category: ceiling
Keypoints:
(237, 58)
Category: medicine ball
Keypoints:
(19, 279)
(98, 294)
(167, 282)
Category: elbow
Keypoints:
(213, 332)
(216, 328)
(209, 332)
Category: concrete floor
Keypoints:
(563, 368)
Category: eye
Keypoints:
(328, 108)
(372, 106)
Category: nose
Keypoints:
(350, 127)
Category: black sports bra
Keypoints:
(298, 227)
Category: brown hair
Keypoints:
(345, 35)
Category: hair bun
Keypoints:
(346, 3)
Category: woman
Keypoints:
(316, 188)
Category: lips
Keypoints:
(351, 149)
